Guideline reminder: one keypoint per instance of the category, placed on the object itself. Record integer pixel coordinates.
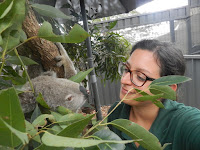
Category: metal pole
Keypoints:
(93, 79)
(172, 32)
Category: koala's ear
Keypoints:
(69, 97)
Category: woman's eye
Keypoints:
(141, 78)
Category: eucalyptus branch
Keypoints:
(107, 114)
(33, 37)
(16, 52)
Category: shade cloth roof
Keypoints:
(104, 8)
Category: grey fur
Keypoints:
(56, 92)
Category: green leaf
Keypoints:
(27, 61)
(32, 131)
(11, 113)
(23, 36)
(59, 141)
(169, 80)
(109, 135)
(41, 121)
(72, 130)
(76, 128)
(69, 119)
(36, 113)
(135, 131)
(41, 101)
(80, 76)
(55, 129)
(5, 8)
(76, 35)
(15, 16)
(158, 103)
(149, 97)
(56, 115)
(63, 110)
(10, 42)
(49, 11)
(167, 91)
(5, 148)
(21, 135)
(112, 25)
(4, 83)
(165, 145)
(141, 92)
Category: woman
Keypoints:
(176, 124)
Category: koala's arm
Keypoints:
(65, 60)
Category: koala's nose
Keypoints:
(84, 91)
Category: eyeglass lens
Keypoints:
(136, 77)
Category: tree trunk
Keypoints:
(43, 51)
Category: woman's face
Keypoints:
(140, 61)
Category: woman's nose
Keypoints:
(125, 79)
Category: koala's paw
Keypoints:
(60, 61)
(50, 73)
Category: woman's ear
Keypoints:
(174, 87)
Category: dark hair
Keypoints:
(169, 58)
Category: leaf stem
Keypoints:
(33, 37)
(16, 52)
(107, 114)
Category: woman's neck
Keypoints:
(144, 115)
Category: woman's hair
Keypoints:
(169, 58)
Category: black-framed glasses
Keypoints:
(137, 78)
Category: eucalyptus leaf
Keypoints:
(41, 101)
(169, 80)
(135, 131)
(5, 8)
(56, 115)
(12, 114)
(32, 132)
(10, 42)
(49, 11)
(5, 148)
(36, 113)
(73, 130)
(23, 36)
(59, 141)
(41, 121)
(15, 60)
(149, 97)
(109, 135)
(167, 91)
(69, 119)
(76, 128)
(63, 110)
(4, 83)
(76, 35)
(20, 135)
(55, 129)
(15, 17)
(158, 103)
(80, 76)
(141, 92)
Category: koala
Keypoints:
(56, 91)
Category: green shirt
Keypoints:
(176, 124)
